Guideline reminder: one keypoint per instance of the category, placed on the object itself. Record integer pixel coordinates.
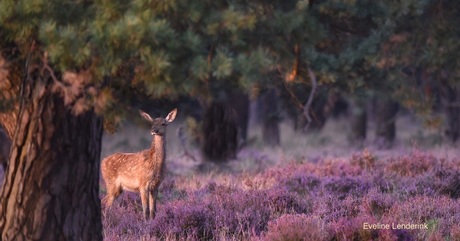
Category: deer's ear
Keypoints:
(146, 116)
(171, 116)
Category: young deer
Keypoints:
(141, 171)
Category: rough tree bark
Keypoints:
(51, 188)
(9, 107)
(385, 113)
(219, 132)
(10, 80)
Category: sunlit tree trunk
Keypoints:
(10, 80)
(51, 187)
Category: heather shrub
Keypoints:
(449, 182)
(351, 228)
(281, 200)
(455, 232)
(276, 175)
(395, 235)
(122, 220)
(181, 219)
(382, 183)
(168, 191)
(376, 203)
(301, 183)
(242, 211)
(423, 184)
(439, 213)
(337, 167)
(215, 210)
(365, 160)
(296, 227)
(411, 165)
(330, 209)
(346, 185)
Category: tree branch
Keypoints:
(292, 94)
(307, 106)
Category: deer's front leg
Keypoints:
(144, 202)
(153, 193)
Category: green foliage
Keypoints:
(184, 47)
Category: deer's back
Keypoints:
(125, 163)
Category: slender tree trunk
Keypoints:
(51, 189)
(358, 122)
(270, 113)
(451, 103)
(317, 113)
(219, 132)
(385, 113)
(239, 101)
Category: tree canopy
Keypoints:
(97, 51)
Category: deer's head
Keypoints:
(159, 124)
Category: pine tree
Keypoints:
(421, 60)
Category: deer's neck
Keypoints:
(157, 152)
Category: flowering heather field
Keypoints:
(324, 199)
(314, 188)
(310, 188)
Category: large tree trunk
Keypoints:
(385, 113)
(10, 80)
(358, 122)
(51, 189)
(219, 132)
(270, 113)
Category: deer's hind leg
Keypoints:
(113, 191)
